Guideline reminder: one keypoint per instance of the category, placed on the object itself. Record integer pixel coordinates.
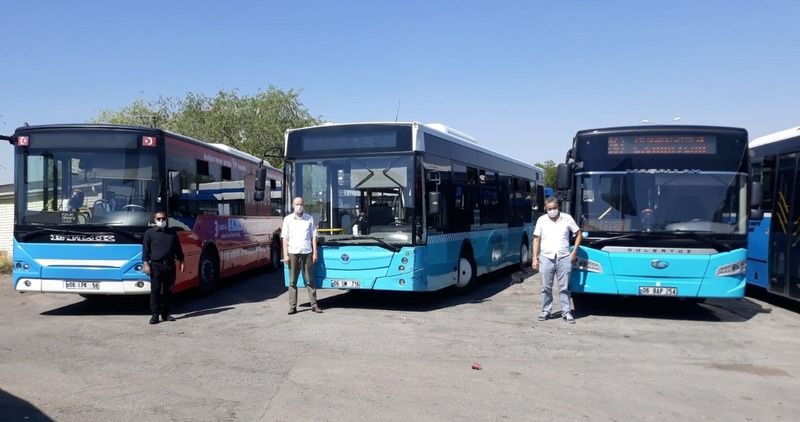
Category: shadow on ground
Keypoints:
(486, 287)
(256, 286)
(13, 408)
(719, 310)
(774, 300)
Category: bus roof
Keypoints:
(438, 129)
(227, 149)
(771, 138)
(660, 128)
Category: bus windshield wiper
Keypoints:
(618, 237)
(382, 242)
(700, 236)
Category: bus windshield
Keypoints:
(374, 193)
(712, 202)
(86, 179)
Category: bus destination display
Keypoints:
(661, 144)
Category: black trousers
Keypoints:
(162, 278)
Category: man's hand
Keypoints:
(535, 263)
(573, 256)
(314, 258)
(146, 269)
(180, 265)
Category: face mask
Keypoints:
(298, 209)
(161, 223)
(552, 213)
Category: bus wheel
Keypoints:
(209, 271)
(466, 271)
(524, 256)
(275, 258)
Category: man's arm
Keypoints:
(313, 242)
(535, 257)
(578, 238)
(146, 252)
(179, 252)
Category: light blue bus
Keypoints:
(664, 210)
(410, 206)
(773, 249)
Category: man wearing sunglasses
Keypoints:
(160, 249)
(551, 253)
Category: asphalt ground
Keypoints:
(377, 356)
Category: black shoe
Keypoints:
(154, 319)
(167, 317)
(292, 311)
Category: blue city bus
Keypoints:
(410, 206)
(85, 194)
(664, 210)
(773, 251)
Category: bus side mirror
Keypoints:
(261, 184)
(433, 202)
(756, 194)
(174, 183)
(562, 177)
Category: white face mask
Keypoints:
(298, 209)
(161, 223)
(552, 213)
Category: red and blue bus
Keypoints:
(86, 193)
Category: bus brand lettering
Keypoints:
(82, 238)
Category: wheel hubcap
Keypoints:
(524, 256)
(464, 272)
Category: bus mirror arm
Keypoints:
(7, 138)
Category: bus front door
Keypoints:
(784, 255)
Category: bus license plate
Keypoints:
(657, 291)
(345, 283)
(87, 285)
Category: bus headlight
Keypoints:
(587, 265)
(732, 269)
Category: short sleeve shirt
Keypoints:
(554, 235)
(299, 231)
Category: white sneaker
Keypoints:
(543, 316)
(569, 318)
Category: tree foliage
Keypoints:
(251, 123)
(550, 172)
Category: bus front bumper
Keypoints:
(85, 287)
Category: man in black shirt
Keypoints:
(160, 249)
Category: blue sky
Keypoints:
(522, 77)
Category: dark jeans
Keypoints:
(297, 263)
(162, 278)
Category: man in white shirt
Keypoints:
(551, 252)
(299, 235)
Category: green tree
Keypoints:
(251, 123)
(550, 173)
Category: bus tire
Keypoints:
(466, 270)
(208, 273)
(524, 255)
(275, 257)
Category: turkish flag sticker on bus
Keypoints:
(22, 141)
(149, 141)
